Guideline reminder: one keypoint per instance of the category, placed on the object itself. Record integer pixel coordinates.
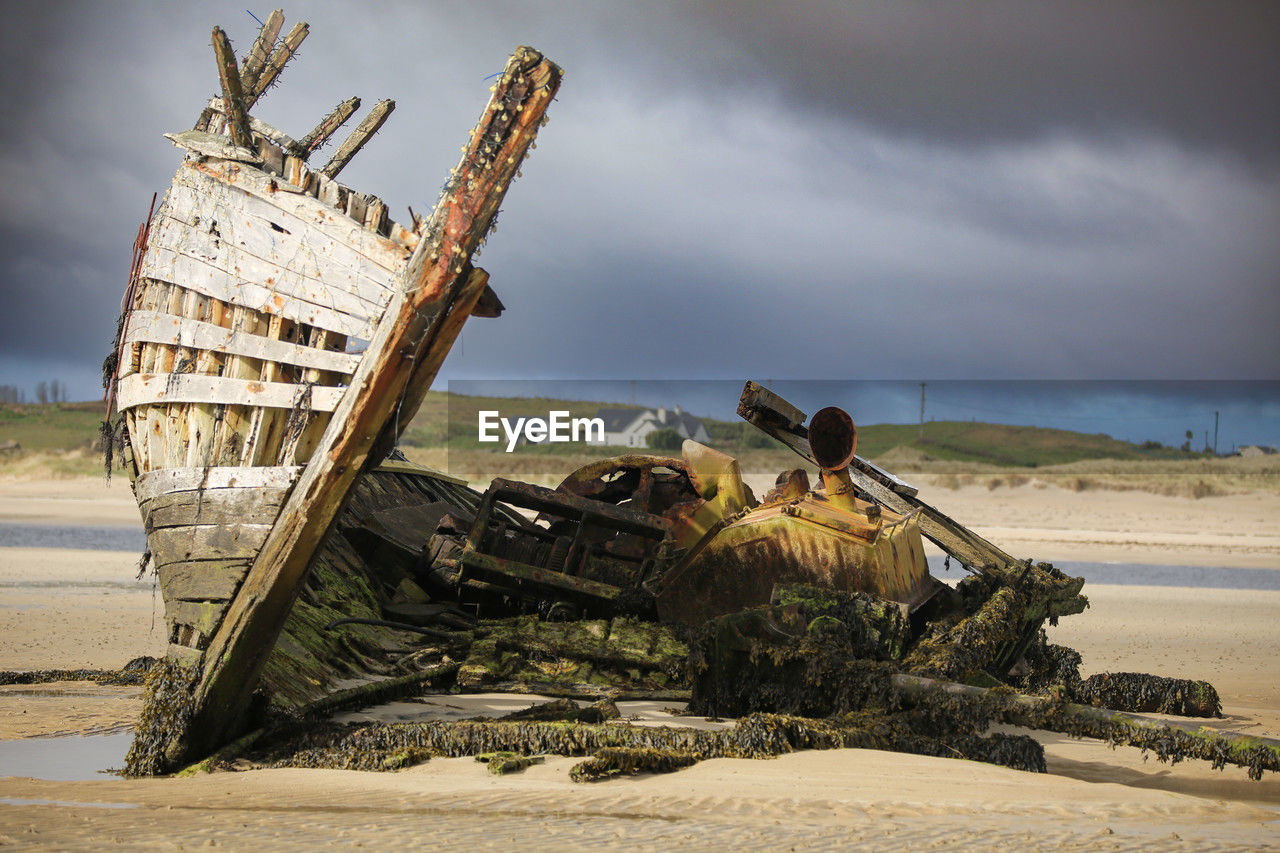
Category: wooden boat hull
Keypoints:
(255, 281)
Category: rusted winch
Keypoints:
(829, 538)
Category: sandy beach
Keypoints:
(62, 608)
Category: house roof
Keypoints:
(680, 419)
(618, 419)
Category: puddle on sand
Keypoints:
(64, 759)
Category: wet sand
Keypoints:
(69, 609)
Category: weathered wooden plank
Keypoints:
(297, 173)
(327, 127)
(213, 145)
(375, 217)
(171, 299)
(333, 194)
(201, 617)
(269, 231)
(167, 265)
(153, 484)
(206, 542)
(178, 331)
(306, 426)
(202, 580)
(227, 444)
(176, 417)
(143, 389)
(263, 231)
(286, 200)
(256, 59)
(184, 655)
(362, 134)
(276, 63)
(232, 95)
(240, 248)
(415, 327)
(272, 156)
(202, 420)
(256, 505)
(268, 431)
(357, 204)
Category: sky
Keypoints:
(811, 190)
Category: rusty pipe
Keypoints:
(833, 438)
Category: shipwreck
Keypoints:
(278, 331)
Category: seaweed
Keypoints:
(407, 757)
(1000, 616)
(1137, 691)
(502, 763)
(618, 653)
(1049, 666)
(623, 748)
(1171, 743)
(618, 760)
(131, 674)
(166, 715)
(568, 711)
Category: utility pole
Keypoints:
(922, 387)
(1215, 433)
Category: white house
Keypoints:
(630, 427)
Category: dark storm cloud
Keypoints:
(1203, 73)
(842, 190)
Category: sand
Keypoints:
(61, 608)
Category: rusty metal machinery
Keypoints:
(827, 538)
(585, 556)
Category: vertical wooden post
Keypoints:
(232, 94)
(275, 64)
(257, 58)
(418, 327)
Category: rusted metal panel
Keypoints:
(801, 542)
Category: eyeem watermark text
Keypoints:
(557, 427)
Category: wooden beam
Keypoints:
(153, 327)
(155, 484)
(327, 127)
(232, 94)
(362, 134)
(413, 336)
(275, 64)
(470, 287)
(257, 58)
(149, 389)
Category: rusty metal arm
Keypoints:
(772, 414)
